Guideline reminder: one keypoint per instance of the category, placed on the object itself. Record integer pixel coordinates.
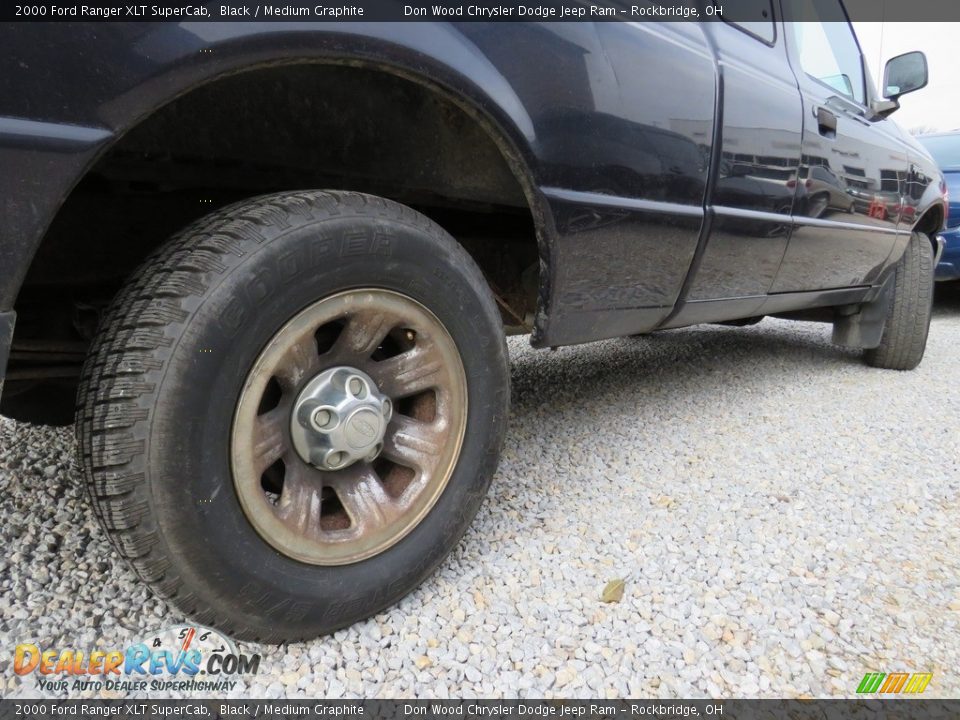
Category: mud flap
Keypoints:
(862, 326)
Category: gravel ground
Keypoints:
(785, 519)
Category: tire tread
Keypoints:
(908, 317)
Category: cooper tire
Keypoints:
(907, 323)
(160, 392)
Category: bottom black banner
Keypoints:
(484, 709)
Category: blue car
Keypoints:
(945, 149)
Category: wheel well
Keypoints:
(930, 223)
(269, 129)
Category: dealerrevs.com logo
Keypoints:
(179, 658)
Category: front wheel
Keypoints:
(909, 309)
(294, 410)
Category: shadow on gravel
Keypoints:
(705, 358)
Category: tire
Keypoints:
(160, 400)
(907, 323)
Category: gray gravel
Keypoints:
(786, 519)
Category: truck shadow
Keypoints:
(702, 359)
(946, 299)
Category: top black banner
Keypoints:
(737, 11)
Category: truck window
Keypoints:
(827, 46)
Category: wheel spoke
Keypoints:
(362, 335)
(409, 373)
(300, 361)
(270, 437)
(363, 497)
(301, 499)
(413, 443)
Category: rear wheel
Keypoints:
(294, 410)
(908, 314)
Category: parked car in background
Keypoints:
(825, 192)
(945, 149)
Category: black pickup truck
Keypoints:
(272, 266)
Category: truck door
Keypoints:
(757, 165)
(853, 171)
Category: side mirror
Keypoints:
(904, 74)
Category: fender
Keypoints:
(603, 173)
(930, 208)
(85, 115)
(929, 218)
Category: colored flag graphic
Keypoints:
(894, 683)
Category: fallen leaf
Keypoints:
(613, 591)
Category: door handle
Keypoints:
(826, 122)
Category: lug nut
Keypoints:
(373, 454)
(334, 459)
(356, 387)
(323, 419)
(387, 408)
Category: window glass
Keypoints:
(827, 46)
(754, 16)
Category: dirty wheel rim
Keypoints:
(325, 516)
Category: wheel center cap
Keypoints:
(363, 428)
(339, 417)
